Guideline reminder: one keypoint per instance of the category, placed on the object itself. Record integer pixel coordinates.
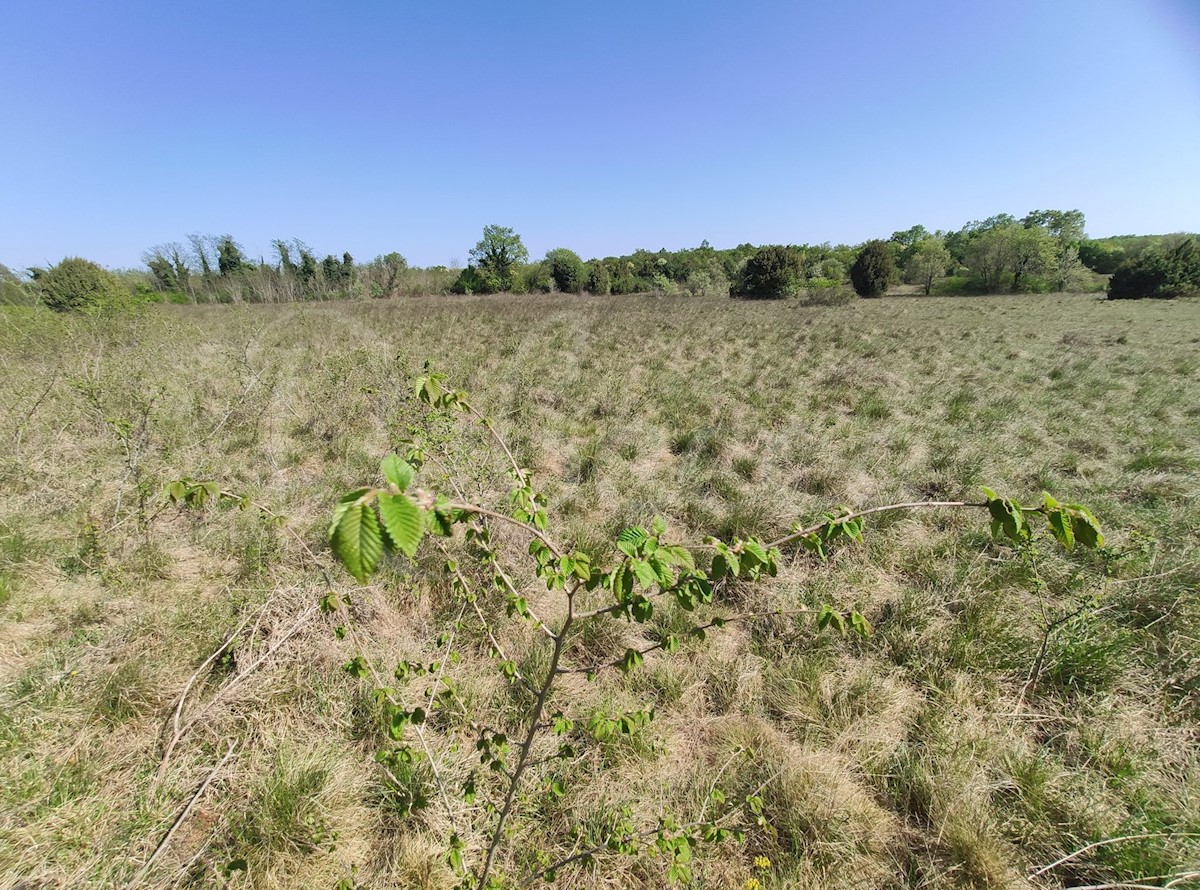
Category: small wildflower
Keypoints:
(762, 862)
(752, 884)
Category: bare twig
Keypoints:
(1106, 842)
(179, 820)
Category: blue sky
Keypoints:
(604, 127)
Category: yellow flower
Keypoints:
(752, 884)
(762, 862)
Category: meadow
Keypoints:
(1013, 707)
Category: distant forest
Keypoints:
(1043, 251)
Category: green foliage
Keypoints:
(928, 263)
(774, 272)
(873, 269)
(495, 261)
(76, 284)
(638, 576)
(231, 260)
(1158, 274)
(567, 269)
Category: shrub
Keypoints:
(599, 279)
(1158, 274)
(567, 270)
(774, 272)
(78, 284)
(873, 269)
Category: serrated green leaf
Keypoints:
(1061, 527)
(397, 472)
(402, 521)
(645, 572)
(345, 502)
(357, 541)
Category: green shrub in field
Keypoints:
(873, 270)
(567, 270)
(1158, 274)
(774, 272)
(599, 278)
(77, 284)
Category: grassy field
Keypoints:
(1010, 708)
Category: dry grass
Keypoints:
(923, 757)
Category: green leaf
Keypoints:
(345, 502)
(632, 659)
(1061, 527)
(860, 624)
(397, 472)
(402, 521)
(630, 541)
(1086, 527)
(357, 541)
(829, 615)
(645, 572)
(641, 609)
(356, 667)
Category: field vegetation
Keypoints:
(1044, 251)
(178, 710)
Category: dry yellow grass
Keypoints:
(922, 757)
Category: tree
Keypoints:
(905, 243)
(230, 259)
(1104, 257)
(201, 251)
(567, 270)
(78, 284)
(384, 274)
(774, 272)
(1158, 274)
(168, 265)
(1065, 229)
(497, 255)
(599, 278)
(1033, 252)
(873, 269)
(928, 264)
(989, 255)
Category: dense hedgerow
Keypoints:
(1158, 274)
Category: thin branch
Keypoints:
(535, 717)
(177, 715)
(908, 505)
(529, 529)
(179, 820)
(695, 631)
(1111, 840)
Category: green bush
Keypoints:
(567, 270)
(1158, 274)
(873, 269)
(599, 279)
(77, 284)
(773, 273)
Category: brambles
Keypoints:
(526, 758)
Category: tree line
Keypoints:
(1043, 251)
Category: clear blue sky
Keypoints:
(604, 127)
